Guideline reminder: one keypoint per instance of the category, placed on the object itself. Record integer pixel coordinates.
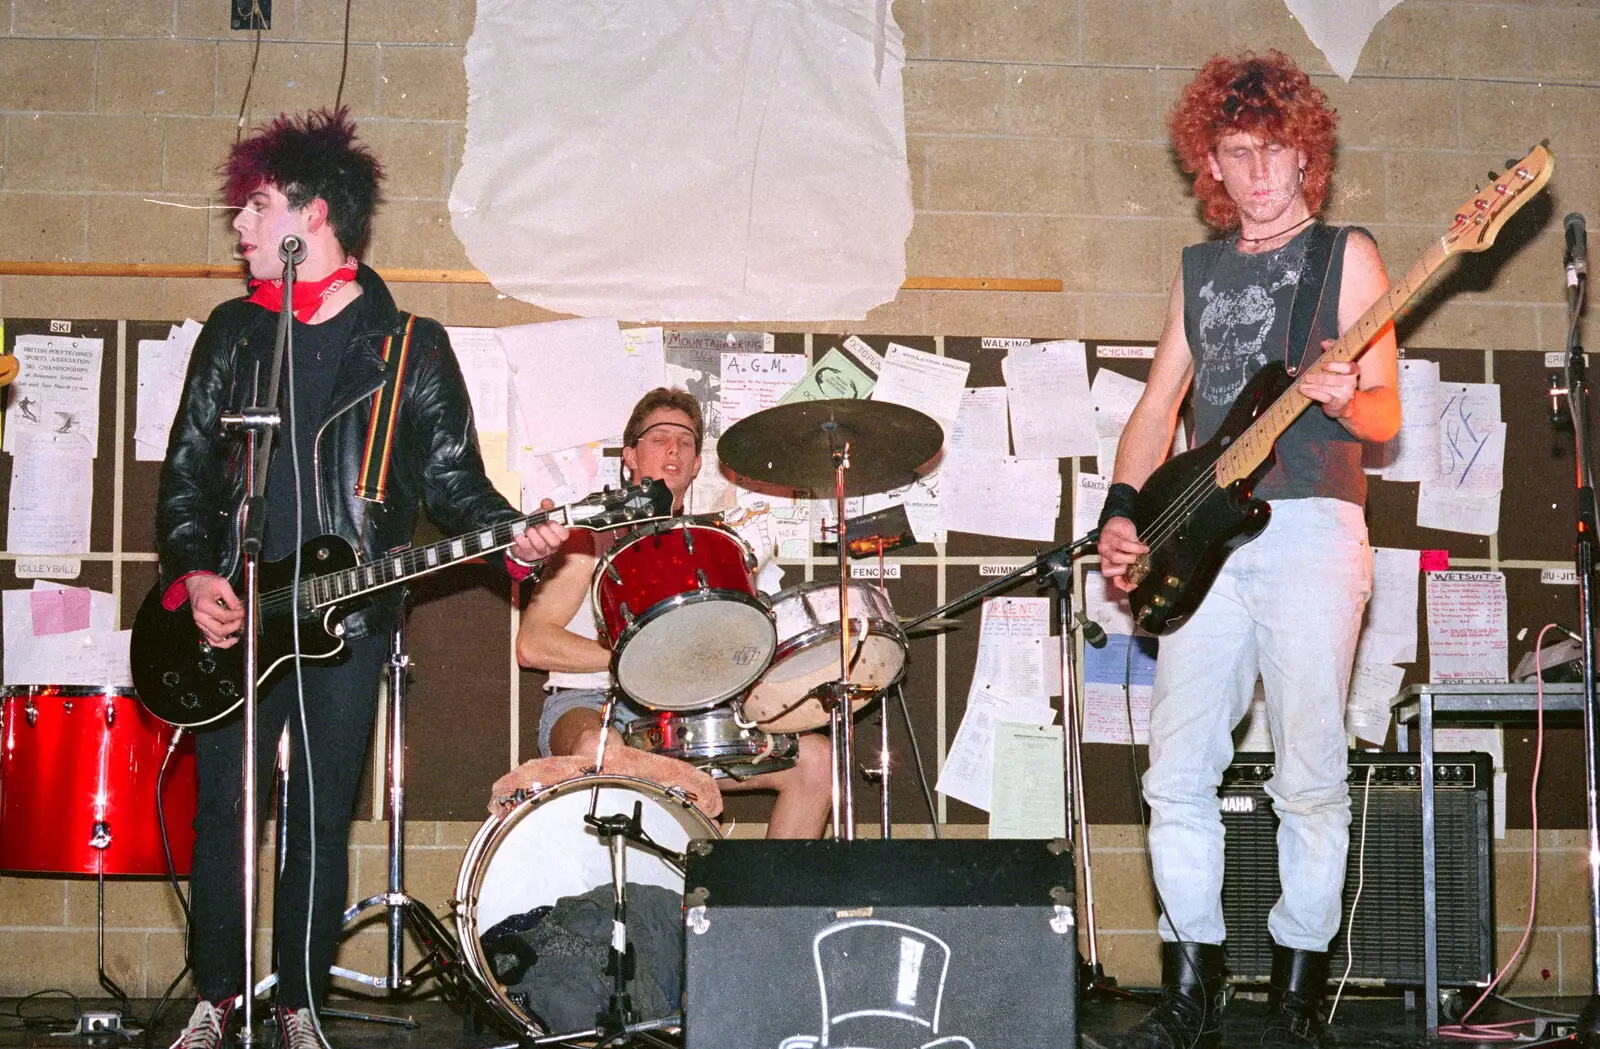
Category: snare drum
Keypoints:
(715, 742)
(78, 770)
(808, 653)
(542, 850)
(679, 606)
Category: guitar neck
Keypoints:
(321, 591)
(1251, 448)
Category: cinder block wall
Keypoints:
(1036, 149)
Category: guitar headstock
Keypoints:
(615, 507)
(1479, 219)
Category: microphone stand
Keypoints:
(1053, 568)
(259, 423)
(1577, 394)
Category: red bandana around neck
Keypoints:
(309, 295)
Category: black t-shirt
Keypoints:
(318, 351)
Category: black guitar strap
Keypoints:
(1313, 289)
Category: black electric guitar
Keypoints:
(1198, 507)
(184, 681)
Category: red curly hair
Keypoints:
(1270, 97)
(306, 157)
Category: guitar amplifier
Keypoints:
(1386, 940)
(890, 944)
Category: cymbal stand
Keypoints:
(840, 724)
(879, 773)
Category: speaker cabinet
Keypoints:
(1387, 937)
(882, 944)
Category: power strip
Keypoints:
(100, 1022)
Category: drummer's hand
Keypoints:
(217, 611)
(540, 541)
(1119, 546)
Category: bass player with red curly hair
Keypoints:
(1274, 286)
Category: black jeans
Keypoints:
(340, 702)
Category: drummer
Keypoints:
(661, 440)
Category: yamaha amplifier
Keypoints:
(888, 944)
(1386, 940)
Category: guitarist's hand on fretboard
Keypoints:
(539, 541)
(1119, 548)
(1332, 384)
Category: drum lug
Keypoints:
(612, 573)
(32, 712)
(66, 706)
(100, 838)
(700, 577)
(627, 614)
(111, 714)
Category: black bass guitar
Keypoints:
(185, 681)
(1198, 507)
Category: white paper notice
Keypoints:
(1467, 627)
(1373, 687)
(96, 655)
(752, 382)
(1105, 708)
(1052, 414)
(981, 422)
(55, 400)
(1027, 797)
(162, 366)
(1389, 631)
(1106, 605)
(1091, 499)
(927, 382)
(1467, 497)
(567, 475)
(487, 375)
(969, 766)
(550, 362)
(52, 497)
(1004, 496)
(1114, 396)
(1450, 739)
(1413, 453)
(1013, 656)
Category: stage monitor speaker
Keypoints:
(1387, 936)
(880, 944)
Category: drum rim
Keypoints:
(628, 539)
(67, 691)
(683, 600)
(464, 907)
(809, 638)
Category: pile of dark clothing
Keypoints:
(552, 959)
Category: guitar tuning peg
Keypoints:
(1494, 175)
(1545, 143)
(1511, 164)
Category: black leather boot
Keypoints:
(1189, 1014)
(1299, 982)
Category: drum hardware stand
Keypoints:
(259, 423)
(837, 697)
(1577, 395)
(879, 774)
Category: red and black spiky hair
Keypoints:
(1270, 97)
(306, 157)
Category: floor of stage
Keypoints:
(1363, 1023)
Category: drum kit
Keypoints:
(731, 676)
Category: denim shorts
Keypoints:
(559, 701)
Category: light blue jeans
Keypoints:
(1286, 607)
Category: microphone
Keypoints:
(293, 248)
(1577, 258)
(1094, 635)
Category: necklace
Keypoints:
(1273, 236)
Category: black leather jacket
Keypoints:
(435, 462)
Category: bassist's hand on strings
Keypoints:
(218, 613)
(1119, 546)
(1331, 384)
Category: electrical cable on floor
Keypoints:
(1361, 881)
(48, 1024)
(1501, 1032)
(922, 770)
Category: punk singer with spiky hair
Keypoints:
(309, 177)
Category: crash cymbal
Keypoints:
(793, 444)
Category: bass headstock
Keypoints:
(1481, 215)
